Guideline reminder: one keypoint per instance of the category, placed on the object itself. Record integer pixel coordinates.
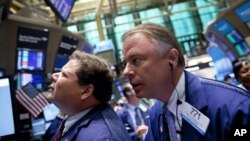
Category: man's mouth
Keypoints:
(51, 88)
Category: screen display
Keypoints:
(62, 8)
(103, 46)
(86, 47)
(242, 48)
(32, 38)
(223, 27)
(67, 45)
(234, 37)
(243, 12)
(60, 61)
(30, 59)
(38, 80)
(6, 114)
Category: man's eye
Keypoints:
(135, 61)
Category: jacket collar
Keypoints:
(195, 97)
(194, 91)
(84, 121)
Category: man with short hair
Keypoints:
(189, 108)
(82, 90)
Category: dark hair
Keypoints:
(94, 70)
(160, 36)
(238, 65)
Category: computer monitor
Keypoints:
(32, 37)
(60, 61)
(243, 12)
(36, 79)
(62, 8)
(242, 48)
(67, 45)
(30, 59)
(234, 37)
(7, 120)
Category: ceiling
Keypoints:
(94, 10)
(85, 10)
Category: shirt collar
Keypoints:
(73, 119)
(179, 91)
(130, 106)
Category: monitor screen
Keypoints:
(37, 79)
(60, 61)
(223, 27)
(6, 114)
(234, 37)
(33, 38)
(29, 59)
(242, 48)
(243, 12)
(86, 47)
(67, 45)
(62, 8)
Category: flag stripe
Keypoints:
(43, 99)
(38, 103)
(34, 105)
(25, 103)
(26, 100)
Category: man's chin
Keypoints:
(50, 97)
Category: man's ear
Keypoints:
(87, 91)
(173, 54)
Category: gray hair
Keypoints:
(160, 36)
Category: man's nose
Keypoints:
(55, 76)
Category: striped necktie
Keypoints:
(169, 120)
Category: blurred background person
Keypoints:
(82, 90)
(242, 73)
(133, 117)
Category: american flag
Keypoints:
(32, 99)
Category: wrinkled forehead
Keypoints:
(135, 40)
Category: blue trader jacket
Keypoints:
(100, 124)
(227, 107)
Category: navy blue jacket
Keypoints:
(100, 124)
(50, 132)
(227, 107)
